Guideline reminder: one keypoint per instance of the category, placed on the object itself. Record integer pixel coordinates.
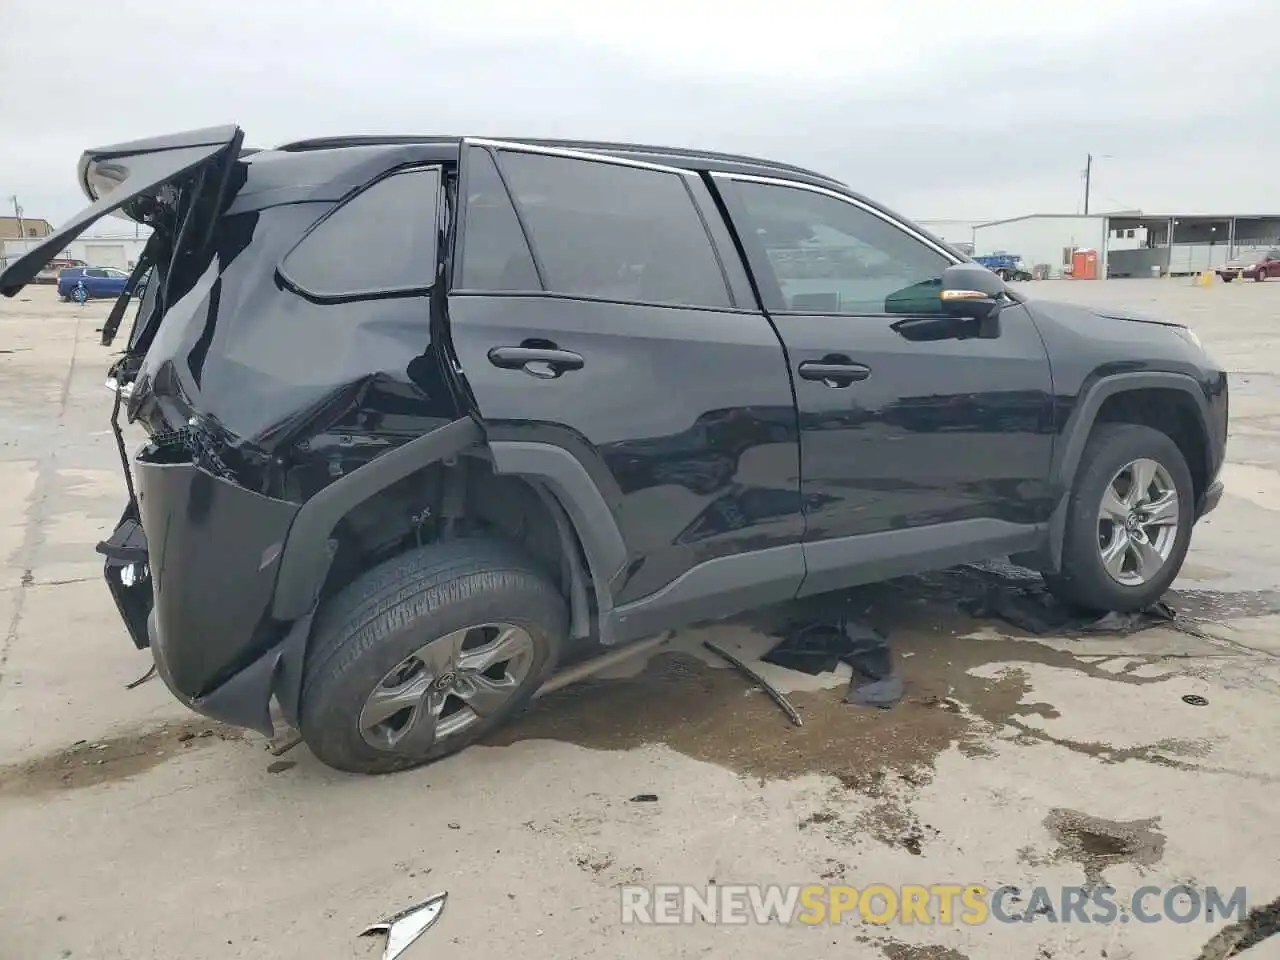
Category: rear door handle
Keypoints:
(833, 373)
(545, 363)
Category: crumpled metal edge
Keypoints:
(403, 928)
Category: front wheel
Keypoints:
(1227, 277)
(1260, 275)
(426, 653)
(1129, 521)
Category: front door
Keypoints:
(921, 443)
(598, 307)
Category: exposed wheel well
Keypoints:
(1171, 412)
(463, 497)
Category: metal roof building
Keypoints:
(1130, 243)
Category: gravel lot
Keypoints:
(132, 829)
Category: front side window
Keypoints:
(615, 232)
(831, 256)
(382, 240)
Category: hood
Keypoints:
(1113, 313)
(129, 179)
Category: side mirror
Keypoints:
(973, 292)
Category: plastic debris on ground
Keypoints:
(1024, 602)
(774, 693)
(818, 647)
(403, 928)
(1000, 590)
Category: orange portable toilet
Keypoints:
(1084, 265)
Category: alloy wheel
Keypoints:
(446, 687)
(1138, 522)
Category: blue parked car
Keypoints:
(84, 283)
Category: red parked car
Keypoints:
(1252, 267)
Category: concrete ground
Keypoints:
(131, 829)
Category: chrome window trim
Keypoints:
(865, 207)
(518, 147)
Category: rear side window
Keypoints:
(615, 232)
(380, 241)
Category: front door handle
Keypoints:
(834, 373)
(545, 363)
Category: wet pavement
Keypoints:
(129, 828)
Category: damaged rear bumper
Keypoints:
(193, 573)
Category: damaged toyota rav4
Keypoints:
(423, 413)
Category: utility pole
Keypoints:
(1088, 171)
(17, 213)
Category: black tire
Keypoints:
(1083, 580)
(394, 609)
(1260, 275)
(1227, 278)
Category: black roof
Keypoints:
(670, 156)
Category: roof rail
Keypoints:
(366, 140)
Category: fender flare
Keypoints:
(589, 515)
(559, 478)
(1075, 434)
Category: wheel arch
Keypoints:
(582, 512)
(591, 549)
(1131, 398)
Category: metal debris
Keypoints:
(1195, 700)
(151, 672)
(581, 671)
(283, 742)
(408, 925)
(645, 798)
(774, 693)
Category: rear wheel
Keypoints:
(1260, 275)
(80, 293)
(1227, 277)
(1129, 520)
(427, 653)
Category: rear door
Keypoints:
(919, 442)
(598, 305)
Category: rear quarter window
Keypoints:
(379, 241)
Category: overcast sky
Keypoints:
(930, 106)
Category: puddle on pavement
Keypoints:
(716, 715)
(1219, 605)
(711, 714)
(1095, 843)
(91, 762)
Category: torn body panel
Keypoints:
(258, 397)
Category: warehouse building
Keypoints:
(121, 252)
(24, 228)
(1129, 243)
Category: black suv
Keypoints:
(424, 411)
